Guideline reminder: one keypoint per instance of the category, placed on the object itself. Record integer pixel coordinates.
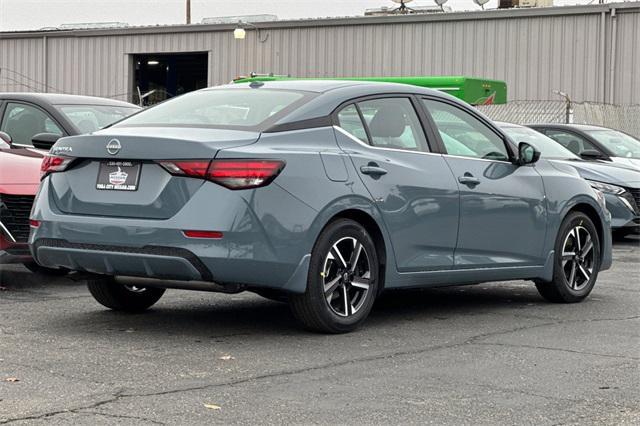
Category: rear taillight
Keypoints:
(243, 174)
(190, 168)
(53, 163)
(232, 174)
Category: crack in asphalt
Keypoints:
(114, 397)
(119, 416)
(469, 341)
(548, 348)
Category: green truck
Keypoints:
(475, 91)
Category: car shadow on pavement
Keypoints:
(214, 316)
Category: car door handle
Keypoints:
(468, 179)
(373, 170)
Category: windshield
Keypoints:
(235, 108)
(89, 118)
(548, 147)
(621, 144)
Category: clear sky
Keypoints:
(35, 14)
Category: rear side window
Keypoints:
(391, 123)
(22, 122)
(235, 108)
(349, 120)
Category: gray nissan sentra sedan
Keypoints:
(321, 193)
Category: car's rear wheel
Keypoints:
(343, 280)
(576, 263)
(121, 297)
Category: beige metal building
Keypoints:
(591, 52)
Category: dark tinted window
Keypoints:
(22, 122)
(572, 141)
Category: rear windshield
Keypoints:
(234, 108)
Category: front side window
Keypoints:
(573, 142)
(22, 122)
(464, 135)
(621, 144)
(238, 108)
(548, 147)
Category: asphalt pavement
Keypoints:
(486, 354)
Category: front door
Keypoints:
(503, 212)
(413, 188)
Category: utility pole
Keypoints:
(188, 12)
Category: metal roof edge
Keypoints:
(337, 21)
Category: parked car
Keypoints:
(30, 123)
(595, 143)
(620, 185)
(323, 193)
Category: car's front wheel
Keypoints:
(121, 297)
(576, 263)
(343, 280)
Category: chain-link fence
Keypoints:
(625, 118)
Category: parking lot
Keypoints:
(482, 354)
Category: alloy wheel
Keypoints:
(346, 276)
(578, 257)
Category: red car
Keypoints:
(30, 123)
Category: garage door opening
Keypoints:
(163, 76)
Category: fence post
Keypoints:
(568, 115)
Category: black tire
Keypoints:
(37, 269)
(121, 297)
(582, 264)
(312, 307)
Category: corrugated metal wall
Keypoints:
(535, 53)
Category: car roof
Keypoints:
(569, 126)
(62, 99)
(332, 93)
(505, 125)
(323, 86)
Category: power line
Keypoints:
(31, 79)
(21, 84)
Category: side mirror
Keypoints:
(5, 140)
(527, 154)
(592, 154)
(44, 140)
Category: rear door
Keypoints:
(412, 186)
(503, 211)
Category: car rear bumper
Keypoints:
(253, 252)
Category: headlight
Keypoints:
(607, 188)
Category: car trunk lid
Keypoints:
(116, 173)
